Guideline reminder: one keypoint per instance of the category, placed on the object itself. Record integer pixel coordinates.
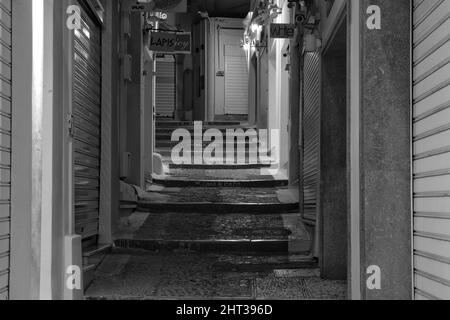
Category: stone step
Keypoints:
(222, 208)
(160, 199)
(171, 123)
(236, 144)
(212, 232)
(166, 134)
(92, 258)
(131, 274)
(255, 183)
(286, 264)
(223, 129)
(167, 152)
(217, 246)
(88, 275)
(217, 166)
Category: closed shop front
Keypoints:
(5, 145)
(166, 86)
(311, 138)
(431, 144)
(236, 81)
(87, 88)
(230, 74)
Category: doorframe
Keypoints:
(350, 9)
(149, 113)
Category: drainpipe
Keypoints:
(205, 16)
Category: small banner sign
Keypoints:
(179, 43)
(282, 30)
(179, 6)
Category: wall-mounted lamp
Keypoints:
(255, 28)
(275, 11)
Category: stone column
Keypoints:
(383, 191)
(134, 107)
(333, 156)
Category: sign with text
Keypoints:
(282, 30)
(160, 5)
(179, 43)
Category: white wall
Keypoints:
(278, 77)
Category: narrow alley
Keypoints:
(224, 149)
(210, 232)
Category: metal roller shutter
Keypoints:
(431, 144)
(86, 126)
(236, 81)
(5, 145)
(165, 87)
(311, 137)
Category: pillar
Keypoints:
(380, 155)
(333, 155)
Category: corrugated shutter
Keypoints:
(87, 120)
(165, 87)
(431, 96)
(311, 136)
(5, 145)
(236, 81)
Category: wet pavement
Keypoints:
(157, 194)
(188, 275)
(199, 174)
(196, 226)
(225, 241)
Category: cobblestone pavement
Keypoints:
(159, 194)
(187, 275)
(176, 226)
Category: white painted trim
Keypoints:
(72, 243)
(37, 107)
(69, 192)
(355, 183)
(47, 234)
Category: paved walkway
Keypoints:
(206, 241)
(188, 275)
(219, 174)
(220, 195)
(210, 226)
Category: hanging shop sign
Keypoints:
(159, 15)
(282, 30)
(179, 6)
(179, 43)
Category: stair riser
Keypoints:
(91, 261)
(88, 278)
(169, 131)
(223, 184)
(218, 208)
(237, 155)
(191, 123)
(218, 166)
(172, 144)
(263, 246)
